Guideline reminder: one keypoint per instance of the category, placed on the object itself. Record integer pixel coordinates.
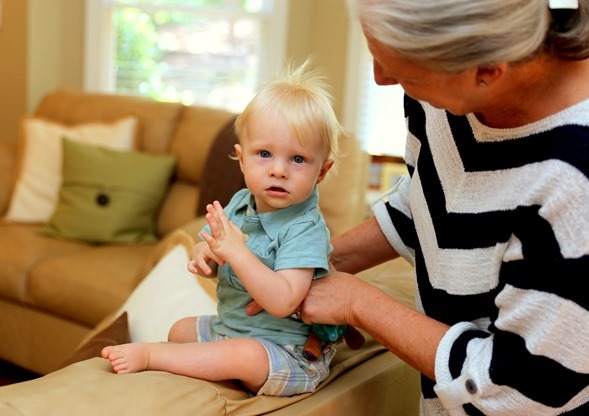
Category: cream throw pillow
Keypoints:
(169, 292)
(39, 177)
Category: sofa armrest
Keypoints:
(7, 172)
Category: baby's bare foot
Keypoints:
(127, 358)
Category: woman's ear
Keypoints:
(487, 75)
(324, 169)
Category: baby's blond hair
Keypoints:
(300, 97)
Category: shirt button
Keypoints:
(246, 237)
(471, 386)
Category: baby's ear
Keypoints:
(324, 169)
(239, 155)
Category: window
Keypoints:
(209, 52)
(373, 113)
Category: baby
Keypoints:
(267, 245)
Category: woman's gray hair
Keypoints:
(453, 35)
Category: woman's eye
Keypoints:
(265, 154)
(298, 159)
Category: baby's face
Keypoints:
(278, 169)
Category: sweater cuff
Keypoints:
(452, 392)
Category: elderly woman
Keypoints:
(494, 213)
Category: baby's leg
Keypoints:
(183, 330)
(242, 359)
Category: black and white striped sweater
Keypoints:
(496, 222)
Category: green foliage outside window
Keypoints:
(138, 58)
(147, 65)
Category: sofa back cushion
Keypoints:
(194, 136)
(342, 194)
(222, 176)
(157, 120)
(198, 129)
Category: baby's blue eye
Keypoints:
(265, 154)
(298, 159)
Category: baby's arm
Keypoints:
(278, 292)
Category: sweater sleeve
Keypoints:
(394, 218)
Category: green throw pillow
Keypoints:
(109, 196)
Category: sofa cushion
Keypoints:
(178, 207)
(88, 285)
(222, 176)
(40, 158)
(342, 192)
(158, 120)
(369, 381)
(23, 250)
(109, 196)
(7, 163)
(197, 129)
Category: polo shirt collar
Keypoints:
(273, 221)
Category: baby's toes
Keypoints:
(105, 352)
(120, 367)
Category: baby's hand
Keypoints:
(225, 237)
(203, 261)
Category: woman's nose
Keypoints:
(381, 76)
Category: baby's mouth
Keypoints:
(276, 189)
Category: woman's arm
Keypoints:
(341, 298)
(361, 247)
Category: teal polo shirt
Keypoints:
(290, 238)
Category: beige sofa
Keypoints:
(55, 293)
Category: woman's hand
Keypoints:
(331, 299)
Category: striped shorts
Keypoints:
(290, 373)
